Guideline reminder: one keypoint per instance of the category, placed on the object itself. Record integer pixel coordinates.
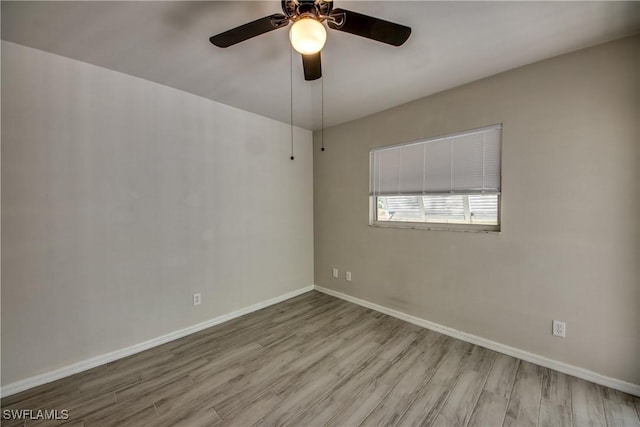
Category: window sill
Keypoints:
(469, 228)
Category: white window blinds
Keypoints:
(462, 163)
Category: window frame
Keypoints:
(437, 226)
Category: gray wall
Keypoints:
(122, 197)
(570, 242)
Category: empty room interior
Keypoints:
(320, 213)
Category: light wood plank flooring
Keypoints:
(315, 360)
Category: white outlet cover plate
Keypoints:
(559, 328)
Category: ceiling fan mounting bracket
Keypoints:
(337, 19)
(279, 21)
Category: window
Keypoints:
(451, 181)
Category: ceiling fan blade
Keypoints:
(249, 30)
(312, 66)
(370, 27)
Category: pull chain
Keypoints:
(322, 112)
(291, 93)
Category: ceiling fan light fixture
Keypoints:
(308, 36)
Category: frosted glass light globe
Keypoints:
(307, 36)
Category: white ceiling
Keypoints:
(452, 43)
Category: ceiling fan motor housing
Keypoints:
(297, 8)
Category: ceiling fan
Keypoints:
(307, 33)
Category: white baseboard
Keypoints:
(66, 371)
(493, 345)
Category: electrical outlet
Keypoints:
(335, 273)
(197, 299)
(348, 276)
(559, 328)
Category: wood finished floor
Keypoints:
(315, 360)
